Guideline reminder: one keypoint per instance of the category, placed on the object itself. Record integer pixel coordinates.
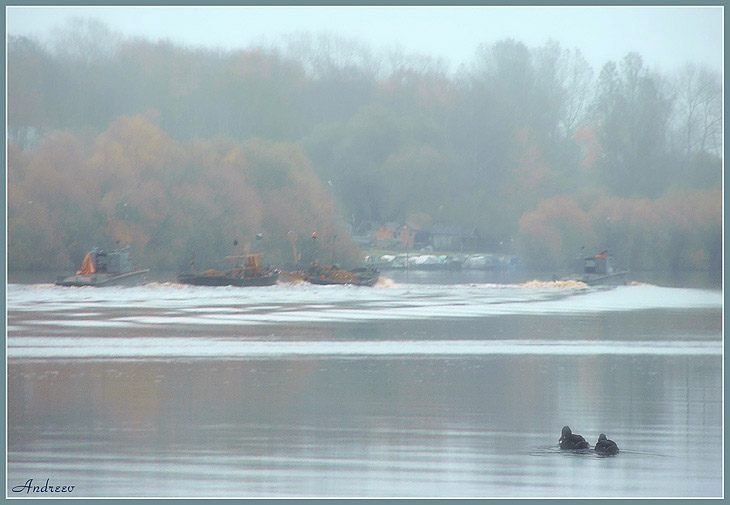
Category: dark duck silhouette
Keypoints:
(569, 440)
(605, 445)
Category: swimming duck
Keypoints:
(605, 445)
(569, 440)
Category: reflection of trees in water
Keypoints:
(373, 400)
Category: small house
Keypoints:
(454, 238)
(386, 231)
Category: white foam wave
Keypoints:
(198, 348)
(160, 304)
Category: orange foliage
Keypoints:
(679, 231)
(553, 233)
(140, 188)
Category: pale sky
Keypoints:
(666, 37)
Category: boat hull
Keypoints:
(614, 279)
(224, 280)
(329, 282)
(135, 278)
(355, 277)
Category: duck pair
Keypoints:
(569, 440)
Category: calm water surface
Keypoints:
(408, 389)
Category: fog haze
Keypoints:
(534, 132)
(665, 36)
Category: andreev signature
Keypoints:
(47, 487)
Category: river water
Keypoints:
(407, 389)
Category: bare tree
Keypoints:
(576, 76)
(698, 111)
(85, 40)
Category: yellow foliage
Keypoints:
(553, 233)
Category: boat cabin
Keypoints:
(599, 264)
(99, 261)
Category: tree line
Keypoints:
(178, 149)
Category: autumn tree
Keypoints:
(174, 148)
(555, 233)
